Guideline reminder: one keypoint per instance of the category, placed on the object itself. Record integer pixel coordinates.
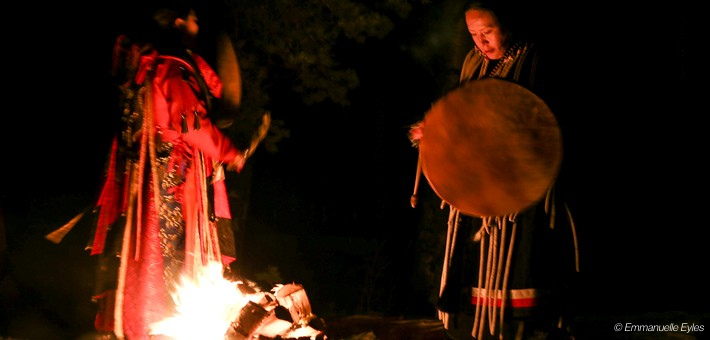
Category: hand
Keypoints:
(237, 164)
(416, 132)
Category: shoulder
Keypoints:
(167, 66)
(170, 61)
(471, 63)
(473, 56)
(536, 52)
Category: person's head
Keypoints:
(183, 20)
(177, 26)
(489, 29)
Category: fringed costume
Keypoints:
(501, 272)
(163, 210)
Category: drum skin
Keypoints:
(229, 73)
(490, 148)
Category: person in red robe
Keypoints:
(163, 211)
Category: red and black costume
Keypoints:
(163, 210)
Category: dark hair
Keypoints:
(165, 36)
(509, 14)
(164, 16)
(150, 21)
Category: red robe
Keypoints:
(171, 166)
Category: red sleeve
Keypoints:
(210, 140)
(180, 112)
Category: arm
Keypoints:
(181, 113)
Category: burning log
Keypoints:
(248, 322)
(294, 298)
(284, 313)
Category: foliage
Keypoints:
(269, 277)
(289, 48)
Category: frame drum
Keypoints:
(490, 147)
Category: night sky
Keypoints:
(636, 163)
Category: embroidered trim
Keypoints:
(516, 298)
(504, 63)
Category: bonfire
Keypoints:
(208, 306)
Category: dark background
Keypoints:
(331, 208)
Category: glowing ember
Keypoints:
(209, 306)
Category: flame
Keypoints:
(205, 306)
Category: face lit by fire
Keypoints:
(189, 28)
(486, 33)
(189, 24)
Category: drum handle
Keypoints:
(413, 199)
